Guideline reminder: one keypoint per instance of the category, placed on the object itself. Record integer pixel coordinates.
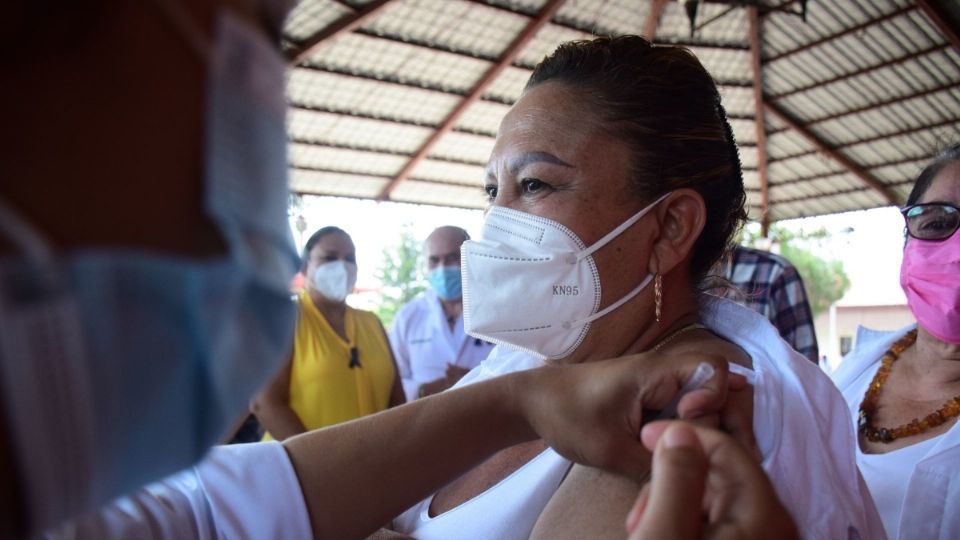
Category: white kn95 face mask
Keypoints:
(531, 283)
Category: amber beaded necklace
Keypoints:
(869, 405)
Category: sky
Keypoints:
(870, 245)
(869, 242)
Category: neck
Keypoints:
(633, 328)
(329, 308)
(933, 362)
(452, 308)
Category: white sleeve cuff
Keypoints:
(253, 492)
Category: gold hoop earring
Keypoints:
(657, 294)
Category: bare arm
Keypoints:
(397, 396)
(272, 407)
(398, 451)
(401, 455)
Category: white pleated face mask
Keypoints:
(531, 283)
(335, 280)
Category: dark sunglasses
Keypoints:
(931, 221)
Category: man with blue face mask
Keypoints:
(429, 343)
(143, 275)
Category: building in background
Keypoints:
(837, 327)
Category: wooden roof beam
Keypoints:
(506, 58)
(942, 20)
(803, 198)
(861, 71)
(317, 143)
(824, 148)
(753, 19)
(848, 31)
(883, 136)
(598, 31)
(345, 24)
(782, 8)
(885, 103)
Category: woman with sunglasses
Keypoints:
(903, 387)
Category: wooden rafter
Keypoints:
(506, 58)
(926, 128)
(824, 148)
(802, 198)
(939, 17)
(848, 31)
(782, 8)
(759, 118)
(653, 19)
(299, 191)
(861, 71)
(346, 24)
(317, 143)
(885, 103)
(600, 31)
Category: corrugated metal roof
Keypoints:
(855, 99)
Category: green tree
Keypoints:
(825, 280)
(399, 275)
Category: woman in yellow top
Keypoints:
(341, 367)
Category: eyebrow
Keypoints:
(518, 162)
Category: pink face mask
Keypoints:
(930, 277)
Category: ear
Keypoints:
(681, 217)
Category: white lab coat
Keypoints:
(933, 490)
(423, 343)
(239, 491)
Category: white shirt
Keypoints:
(509, 509)
(423, 343)
(238, 491)
(887, 476)
(928, 472)
(799, 420)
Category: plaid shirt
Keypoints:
(771, 286)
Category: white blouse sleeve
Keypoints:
(237, 491)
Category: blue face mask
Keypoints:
(121, 366)
(445, 281)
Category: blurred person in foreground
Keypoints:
(145, 257)
(341, 366)
(429, 343)
(903, 387)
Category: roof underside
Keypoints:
(400, 100)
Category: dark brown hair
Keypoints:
(663, 104)
(312, 241)
(931, 171)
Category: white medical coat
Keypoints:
(423, 343)
(238, 491)
(933, 493)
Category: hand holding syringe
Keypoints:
(739, 427)
(700, 376)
